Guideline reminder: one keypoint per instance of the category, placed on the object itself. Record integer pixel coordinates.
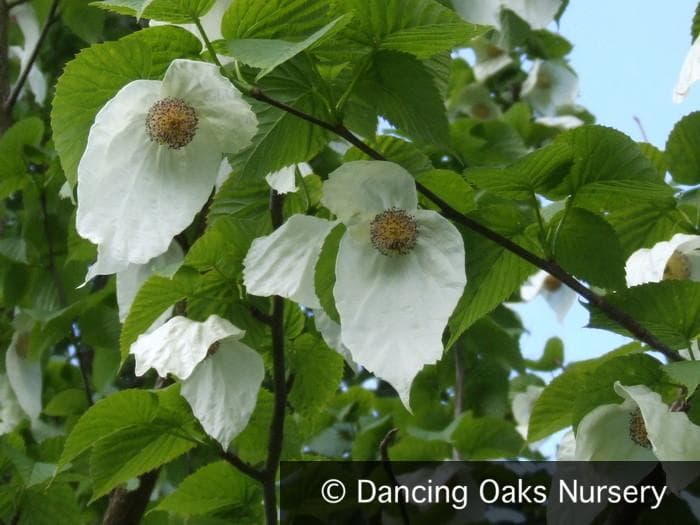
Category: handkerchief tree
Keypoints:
(237, 232)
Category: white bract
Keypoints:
(676, 259)
(690, 73)
(25, 376)
(11, 413)
(537, 13)
(399, 270)
(522, 405)
(642, 428)
(222, 388)
(130, 279)
(152, 158)
(284, 180)
(549, 86)
(559, 296)
(490, 59)
(25, 17)
(560, 121)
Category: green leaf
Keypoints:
(683, 150)
(686, 373)
(609, 170)
(422, 28)
(695, 28)
(317, 373)
(493, 273)
(14, 249)
(67, 402)
(13, 166)
(486, 143)
(133, 451)
(107, 416)
(670, 310)
(547, 45)
(538, 172)
(283, 139)
(587, 246)
(597, 389)
(403, 91)
(274, 18)
(451, 187)
(173, 11)
(552, 357)
(83, 19)
(241, 199)
(155, 296)
(215, 489)
(50, 504)
(85, 87)
(266, 54)
(486, 438)
(393, 149)
(324, 273)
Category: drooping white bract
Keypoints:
(559, 296)
(690, 73)
(537, 13)
(550, 85)
(560, 121)
(642, 428)
(130, 279)
(25, 17)
(11, 413)
(490, 59)
(284, 180)
(221, 388)
(24, 375)
(399, 271)
(522, 405)
(678, 258)
(152, 158)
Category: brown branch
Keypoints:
(127, 508)
(50, 19)
(276, 435)
(611, 311)
(247, 469)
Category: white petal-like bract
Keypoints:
(550, 85)
(135, 194)
(180, 345)
(284, 180)
(393, 310)
(283, 262)
(361, 189)
(537, 13)
(690, 73)
(223, 389)
(25, 376)
(647, 265)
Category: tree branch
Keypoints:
(127, 508)
(50, 19)
(611, 311)
(274, 448)
(386, 463)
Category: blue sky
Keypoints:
(627, 54)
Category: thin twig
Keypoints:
(276, 435)
(243, 466)
(5, 117)
(52, 17)
(611, 311)
(386, 463)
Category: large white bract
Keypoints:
(220, 376)
(675, 259)
(152, 158)
(559, 296)
(690, 73)
(399, 271)
(550, 86)
(642, 428)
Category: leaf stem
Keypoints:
(613, 312)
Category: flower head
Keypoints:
(559, 296)
(152, 158)
(550, 85)
(220, 376)
(676, 259)
(642, 428)
(399, 270)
